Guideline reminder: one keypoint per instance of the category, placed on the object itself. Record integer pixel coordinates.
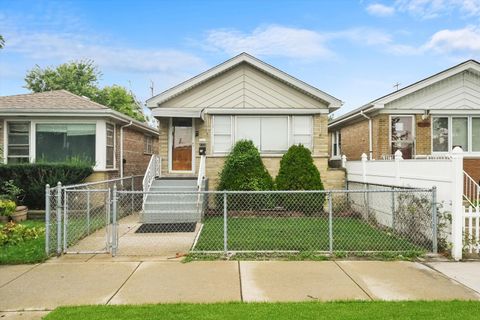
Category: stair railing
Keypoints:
(201, 178)
(153, 170)
(471, 190)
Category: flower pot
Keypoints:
(20, 214)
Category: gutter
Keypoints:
(370, 135)
(121, 146)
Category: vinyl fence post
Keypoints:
(330, 223)
(59, 218)
(393, 208)
(47, 219)
(88, 211)
(457, 203)
(434, 221)
(114, 221)
(225, 224)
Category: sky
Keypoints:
(355, 50)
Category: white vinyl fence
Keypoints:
(471, 229)
(446, 175)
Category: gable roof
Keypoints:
(61, 103)
(333, 103)
(379, 103)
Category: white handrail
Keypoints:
(471, 190)
(201, 172)
(153, 170)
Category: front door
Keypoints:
(402, 135)
(182, 144)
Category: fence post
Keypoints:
(330, 223)
(65, 221)
(434, 220)
(344, 161)
(225, 224)
(59, 218)
(398, 158)
(367, 189)
(457, 201)
(114, 221)
(47, 219)
(88, 211)
(364, 167)
(132, 189)
(393, 208)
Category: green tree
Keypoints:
(2, 42)
(81, 78)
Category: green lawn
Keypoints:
(437, 310)
(30, 251)
(298, 233)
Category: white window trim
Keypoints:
(100, 139)
(414, 131)
(114, 146)
(146, 138)
(335, 156)
(470, 151)
(233, 133)
(170, 142)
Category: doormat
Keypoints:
(166, 227)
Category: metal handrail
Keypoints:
(153, 170)
(471, 190)
(201, 172)
(79, 185)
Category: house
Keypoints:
(423, 120)
(58, 125)
(242, 98)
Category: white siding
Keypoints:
(244, 87)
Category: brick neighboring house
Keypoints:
(57, 125)
(242, 98)
(426, 118)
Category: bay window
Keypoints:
(63, 142)
(18, 137)
(451, 131)
(270, 134)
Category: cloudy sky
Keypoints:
(354, 50)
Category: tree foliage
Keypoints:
(2, 42)
(81, 78)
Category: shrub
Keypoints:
(298, 172)
(7, 207)
(32, 177)
(11, 191)
(244, 170)
(13, 233)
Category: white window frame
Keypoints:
(31, 154)
(450, 131)
(146, 144)
(212, 146)
(414, 132)
(335, 140)
(114, 146)
(234, 138)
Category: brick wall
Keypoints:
(472, 167)
(355, 140)
(423, 135)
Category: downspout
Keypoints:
(370, 136)
(121, 147)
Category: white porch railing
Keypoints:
(201, 172)
(471, 190)
(153, 170)
(471, 229)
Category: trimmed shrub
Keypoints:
(32, 178)
(244, 170)
(298, 172)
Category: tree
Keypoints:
(2, 42)
(81, 78)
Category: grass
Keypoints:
(438, 310)
(30, 251)
(299, 234)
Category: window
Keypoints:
(18, 137)
(61, 142)
(110, 145)
(302, 130)
(440, 134)
(476, 134)
(460, 133)
(147, 144)
(336, 144)
(270, 134)
(222, 133)
(402, 135)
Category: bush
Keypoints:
(32, 178)
(7, 207)
(13, 233)
(244, 170)
(298, 172)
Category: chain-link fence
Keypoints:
(78, 217)
(361, 219)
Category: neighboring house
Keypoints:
(58, 125)
(242, 98)
(425, 119)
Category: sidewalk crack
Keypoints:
(353, 280)
(123, 284)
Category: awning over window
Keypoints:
(178, 113)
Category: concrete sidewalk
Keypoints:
(78, 280)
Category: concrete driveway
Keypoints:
(26, 292)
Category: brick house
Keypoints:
(58, 125)
(242, 98)
(427, 118)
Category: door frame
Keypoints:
(414, 132)
(170, 144)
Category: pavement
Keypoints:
(31, 291)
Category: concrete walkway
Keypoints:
(26, 292)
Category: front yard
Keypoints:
(25, 251)
(298, 233)
(439, 310)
